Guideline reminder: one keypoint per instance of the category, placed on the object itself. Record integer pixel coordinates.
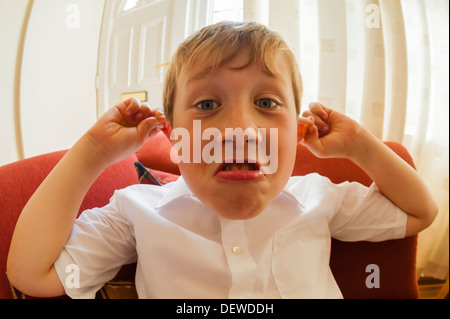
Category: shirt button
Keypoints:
(236, 250)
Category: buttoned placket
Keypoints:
(242, 266)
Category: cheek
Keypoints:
(193, 175)
(190, 147)
(287, 149)
(287, 155)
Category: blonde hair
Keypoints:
(221, 42)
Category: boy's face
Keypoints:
(234, 97)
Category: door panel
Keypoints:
(151, 52)
(137, 41)
(121, 58)
(140, 43)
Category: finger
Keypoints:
(143, 112)
(155, 114)
(306, 120)
(312, 140)
(160, 115)
(132, 106)
(148, 128)
(311, 135)
(320, 110)
(121, 107)
(148, 112)
(159, 112)
(322, 126)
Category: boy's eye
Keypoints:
(207, 105)
(266, 103)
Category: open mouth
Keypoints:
(243, 165)
(239, 171)
(240, 167)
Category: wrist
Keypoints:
(91, 153)
(365, 143)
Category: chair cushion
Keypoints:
(20, 179)
(156, 154)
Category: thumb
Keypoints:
(147, 128)
(313, 142)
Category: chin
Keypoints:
(238, 207)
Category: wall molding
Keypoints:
(18, 80)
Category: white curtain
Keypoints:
(385, 64)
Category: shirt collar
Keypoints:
(180, 189)
(289, 190)
(177, 189)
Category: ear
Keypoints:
(167, 130)
(301, 131)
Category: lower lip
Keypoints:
(238, 175)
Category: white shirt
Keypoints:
(184, 250)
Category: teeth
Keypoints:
(240, 167)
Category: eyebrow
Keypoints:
(207, 71)
(200, 75)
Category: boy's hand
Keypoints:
(123, 129)
(330, 133)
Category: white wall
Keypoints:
(59, 66)
(58, 95)
(11, 18)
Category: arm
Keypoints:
(335, 135)
(47, 219)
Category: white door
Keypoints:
(137, 40)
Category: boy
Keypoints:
(225, 229)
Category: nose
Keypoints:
(240, 137)
(240, 125)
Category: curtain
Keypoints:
(385, 64)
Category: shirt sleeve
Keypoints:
(101, 241)
(365, 214)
